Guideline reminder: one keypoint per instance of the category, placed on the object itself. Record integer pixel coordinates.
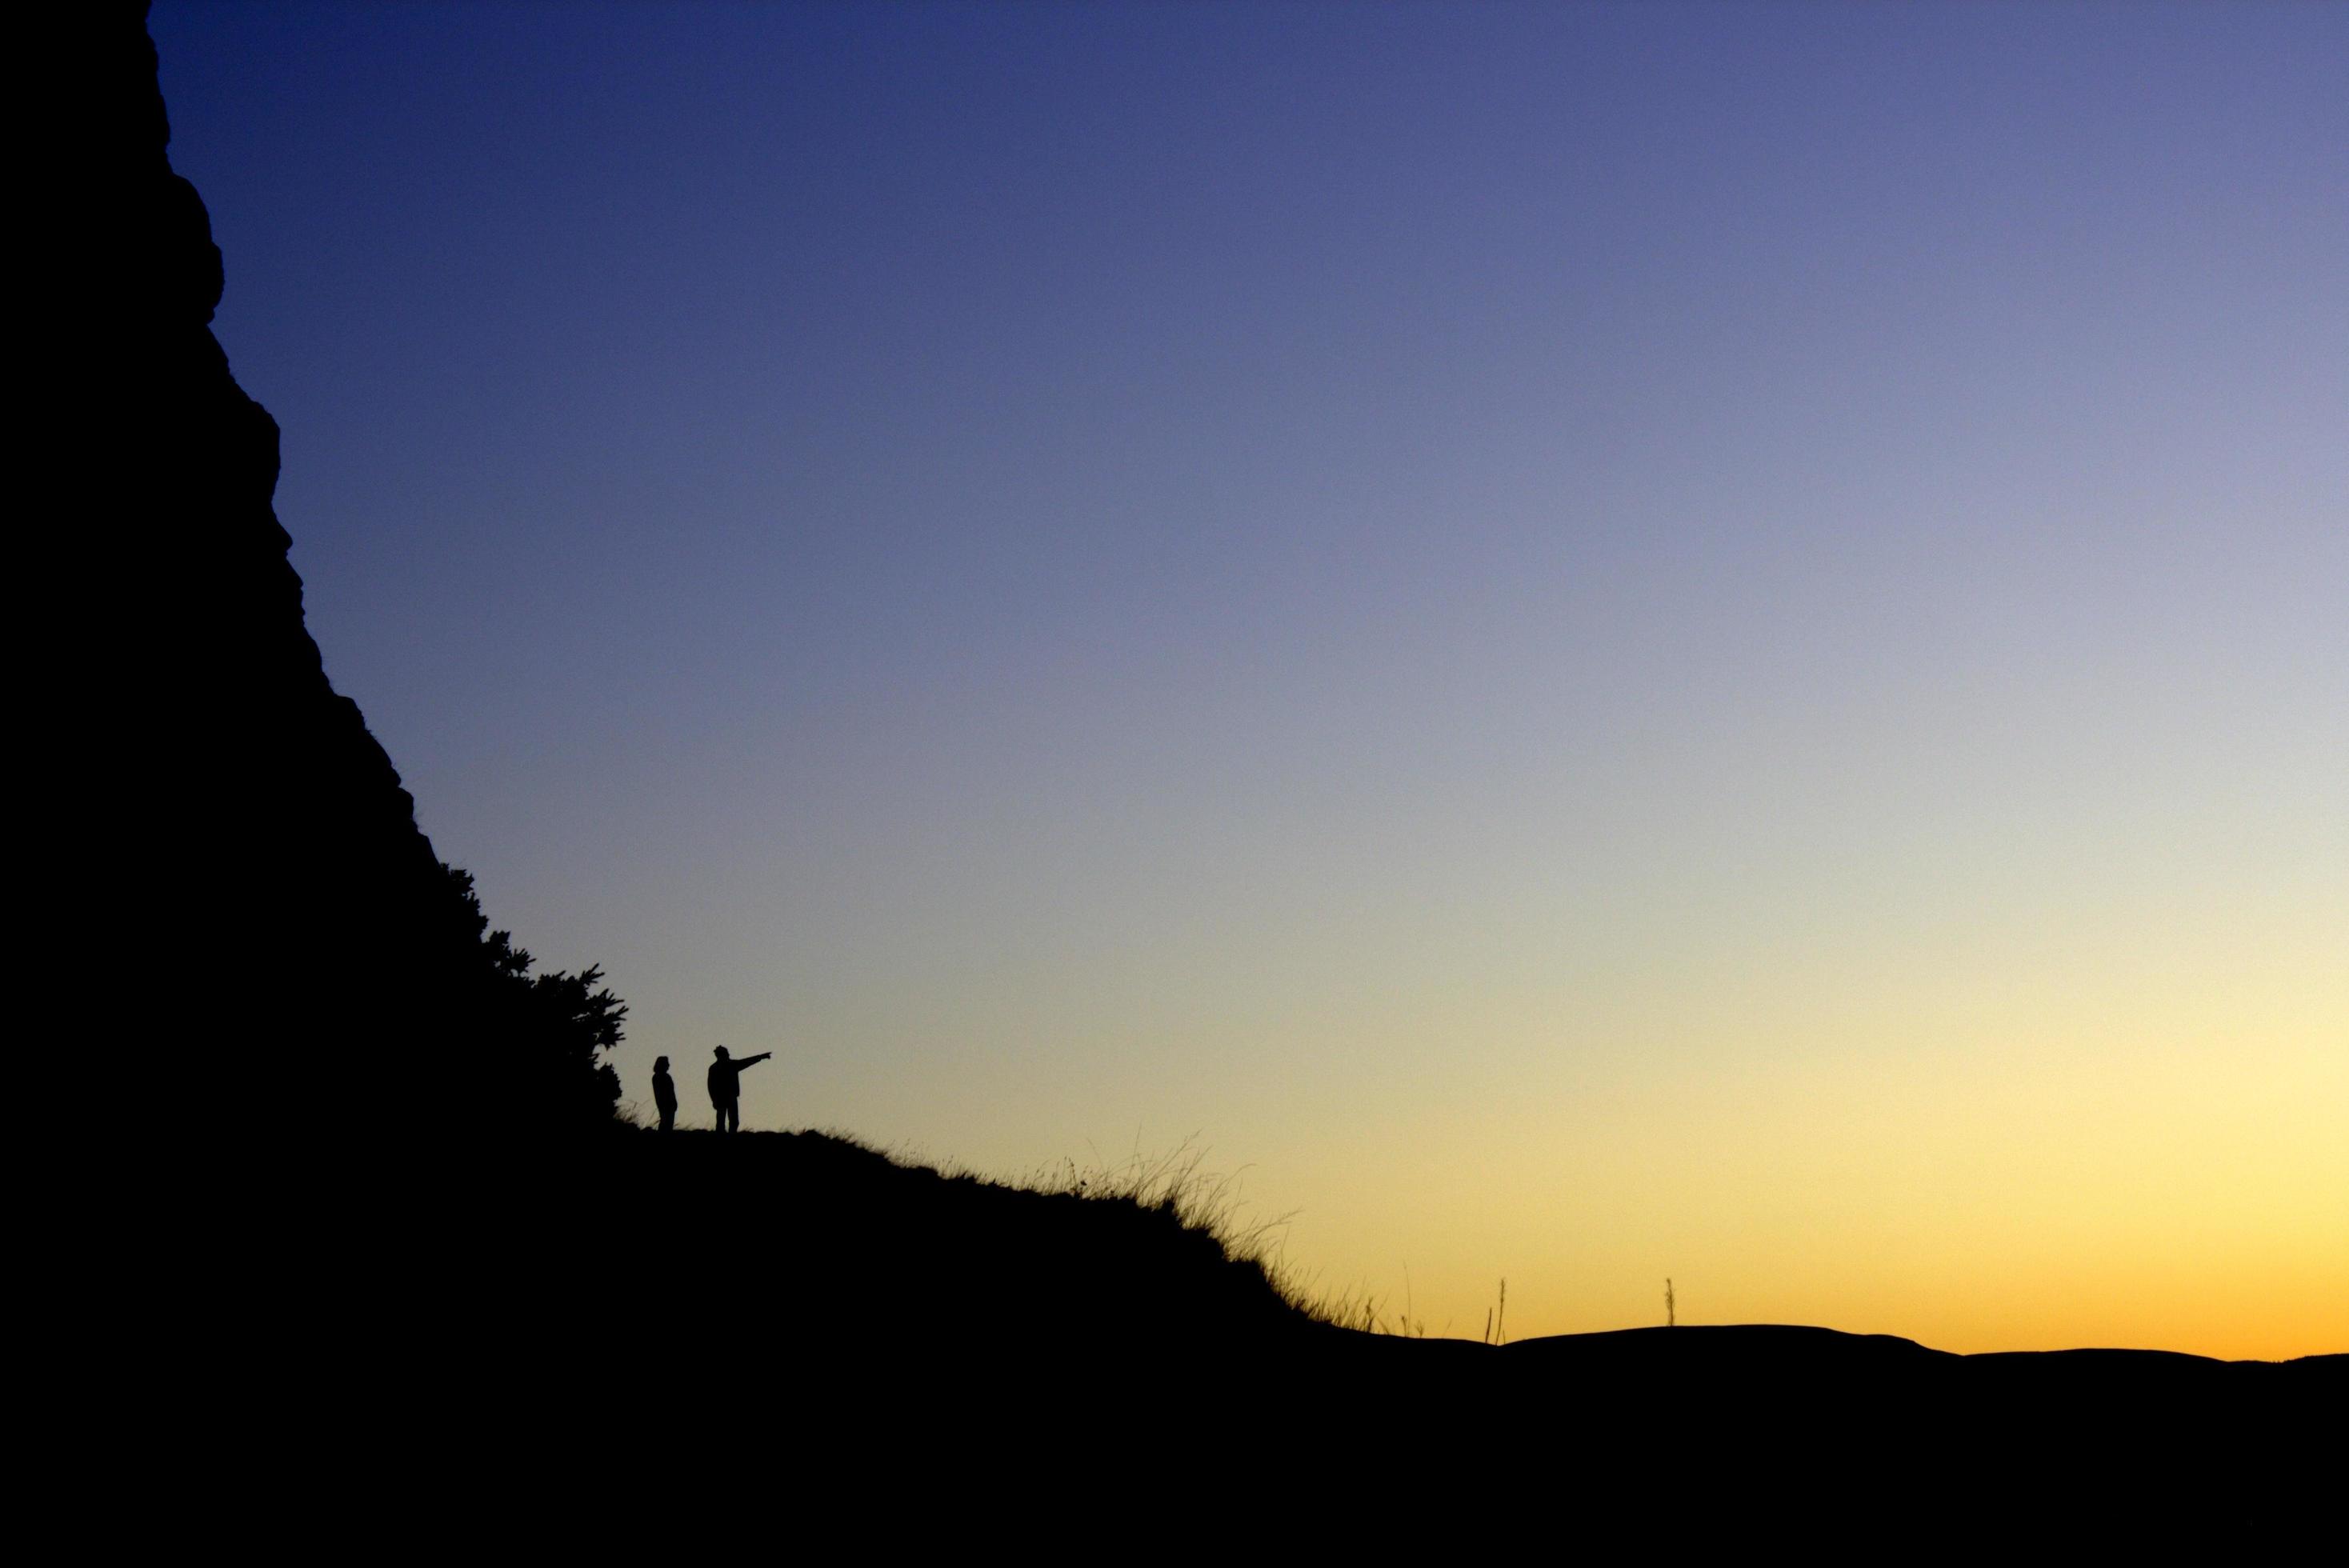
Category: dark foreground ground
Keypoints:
(798, 1305)
(785, 1345)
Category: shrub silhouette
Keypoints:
(542, 1036)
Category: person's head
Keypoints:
(660, 1064)
(721, 1053)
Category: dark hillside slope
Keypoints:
(940, 1359)
(865, 1285)
(887, 1276)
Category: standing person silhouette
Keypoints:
(726, 1087)
(665, 1094)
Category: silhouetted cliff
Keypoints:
(262, 924)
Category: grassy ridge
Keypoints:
(924, 1274)
(1150, 1264)
(804, 1302)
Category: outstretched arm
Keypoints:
(746, 1061)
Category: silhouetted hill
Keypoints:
(889, 1287)
(877, 1354)
(805, 1239)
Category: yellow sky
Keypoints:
(2035, 1131)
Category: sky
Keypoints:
(1588, 643)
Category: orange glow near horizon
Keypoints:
(2049, 1137)
(2189, 1210)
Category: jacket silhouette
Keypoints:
(665, 1094)
(726, 1087)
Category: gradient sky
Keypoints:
(1601, 642)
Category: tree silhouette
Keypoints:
(538, 1041)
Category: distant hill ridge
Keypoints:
(950, 1280)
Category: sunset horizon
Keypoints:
(1581, 644)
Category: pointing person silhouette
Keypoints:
(665, 1094)
(726, 1087)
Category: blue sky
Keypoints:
(1362, 580)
